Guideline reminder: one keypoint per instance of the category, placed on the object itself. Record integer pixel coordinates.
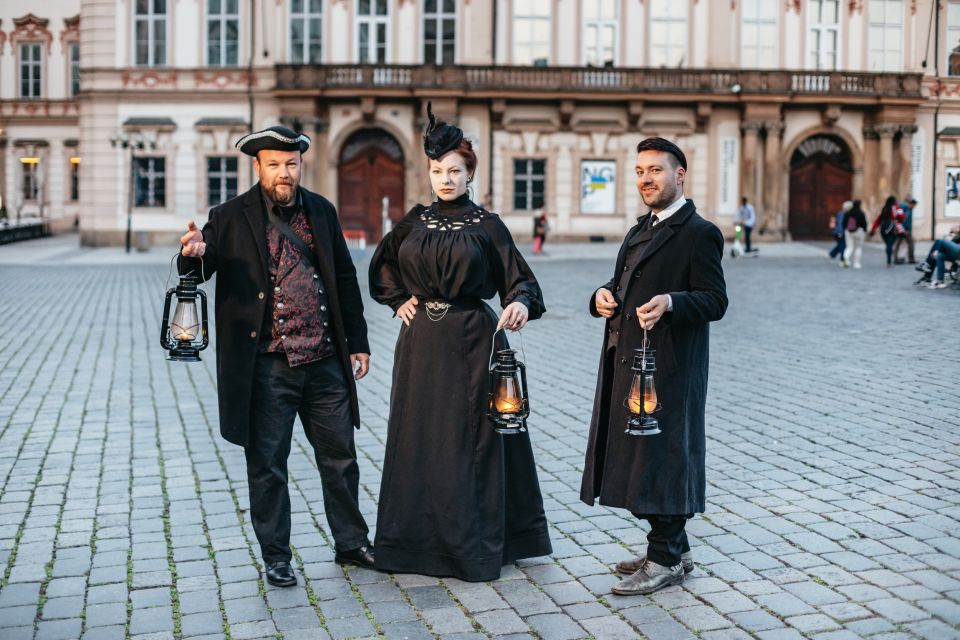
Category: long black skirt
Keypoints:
(457, 499)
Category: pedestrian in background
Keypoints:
(540, 228)
(856, 229)
(905, 239)
(668, 286)
(838, 228)
(747, 216)
(886, 221)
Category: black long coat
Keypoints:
(659, 474)
(236, 239)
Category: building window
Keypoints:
(223, 33)
(439, 31)
(306, 29)
(668, 33)
(823, 32)
(528, 184)
(74, 179)
(30, 65)
(221, 179)
(30, 168)
(372, 21)
(759, 34)
(953, 38)
(150, 182)
(600, 33)
(150, 37)
(73, 51)
(886, 35)
(531, 32)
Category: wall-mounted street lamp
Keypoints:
(136, 142)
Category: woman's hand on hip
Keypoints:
(514, 317)
(408, 309)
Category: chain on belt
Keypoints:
(436, 309)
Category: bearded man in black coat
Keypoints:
(291, 339)
(667, 285)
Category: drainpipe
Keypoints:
(253, 36)
(493, 62)
(934, 198)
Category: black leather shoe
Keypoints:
(280, 574)
(360, 557)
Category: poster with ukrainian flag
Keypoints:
(598, 186)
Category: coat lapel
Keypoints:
(662, 236)
(642, 224)
(253, 212)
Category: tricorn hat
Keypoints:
(276, 138)
(440, 138)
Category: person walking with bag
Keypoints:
(856, 231)
(887, 221)
(457, 498)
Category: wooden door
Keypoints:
(818, 187)
(363, 182)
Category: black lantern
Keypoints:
(641, 401)
(509, 406)
(186, 335)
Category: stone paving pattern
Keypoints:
(833, 475)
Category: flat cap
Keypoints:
(276, 138)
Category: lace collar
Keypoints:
(454, 215)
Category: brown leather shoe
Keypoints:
(628, 567)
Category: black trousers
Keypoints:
(746, 240)
(667, 539)
(318, 393)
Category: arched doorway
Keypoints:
(370, 169)
(821, 178)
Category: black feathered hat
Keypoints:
(440, 138)
(273, 139)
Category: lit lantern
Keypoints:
(641, 401)
(509, 405)
(186, 335)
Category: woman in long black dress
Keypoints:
(457, 499)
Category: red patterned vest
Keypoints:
(301, 320)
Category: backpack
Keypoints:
(851, 222)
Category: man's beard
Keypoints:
(664, 198)
(284, 198)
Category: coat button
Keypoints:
(628, 317)
(260, 295)
(329, 340)
(253, 334)
(276, 289)
(625, 268)
(316, 277)
(279, 305)
(618, 287)
(323, 307)
(320, 291)
(280, 320)
(283, 337)
(326, 324)
(623, 361)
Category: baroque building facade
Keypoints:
(117, 112)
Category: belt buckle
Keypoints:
(437, 309)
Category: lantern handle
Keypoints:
(166, 284)
(493, 344)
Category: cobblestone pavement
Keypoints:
(833, 474)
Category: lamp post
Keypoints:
(133, 143)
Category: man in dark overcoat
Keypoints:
(668, 285)
(291, 339)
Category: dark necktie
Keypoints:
(654, 219)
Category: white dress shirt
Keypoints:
(660, 217)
